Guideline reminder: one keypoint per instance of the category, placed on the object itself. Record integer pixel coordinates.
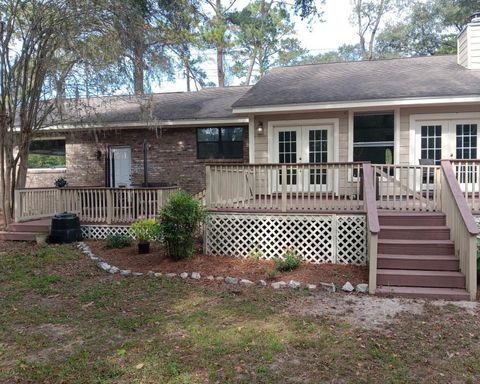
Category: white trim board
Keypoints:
(358, 104)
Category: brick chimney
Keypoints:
(468, 44)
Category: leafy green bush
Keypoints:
(145, 230)
(118, 241)
(179, 220)
(291, 260)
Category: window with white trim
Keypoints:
(46, 153)
(373, 137)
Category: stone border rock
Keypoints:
(293, 284)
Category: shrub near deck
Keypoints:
(85, 326)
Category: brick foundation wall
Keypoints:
(172, 158)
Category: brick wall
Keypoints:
(172, 157)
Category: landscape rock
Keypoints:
(104, 266)
(361, 288)
(196, 276)
(219, 278)
(137, 274)
(348, 287)
(231, 280)
(151, 273)
(184, 275)
(210, 277)
(170, 274)
(246, 282)
(279, 284)
(125, 272)
(113, 270)
(157, 274)
(311, 287)
(94, 258)
(294, 284)
(329, 287)
(263, 283)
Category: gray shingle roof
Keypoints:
(209, 103)
(365, 80)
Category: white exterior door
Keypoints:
(448, 139)
(120, 166)
(302, 145)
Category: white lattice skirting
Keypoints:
(318, 238)
(100, 232)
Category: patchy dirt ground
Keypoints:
(157, 261)
(64, 321)
(368, 312)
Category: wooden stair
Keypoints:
(26, 231)
(416, 258)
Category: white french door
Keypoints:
(304, 145)
(448, 139)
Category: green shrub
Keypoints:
(145, 230)
(118, 241)
(291, 260)
(179, 220)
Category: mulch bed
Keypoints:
(157, 261)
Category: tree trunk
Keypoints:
(250, 68)
(220, 70)
(139, 68)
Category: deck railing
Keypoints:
(462, 225)
(407, 187)
(467, 173)
(285, 187)
(95, 205)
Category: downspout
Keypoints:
(145, 163)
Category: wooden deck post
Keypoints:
(284, 188)
(208, 192)
(109, 201)
(372, 244)
(17, 205)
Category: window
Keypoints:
(220, 143)
(47, 153)
(431, 145)
(373, 135)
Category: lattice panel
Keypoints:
(351, 239)
(100, 232)
(269, 236)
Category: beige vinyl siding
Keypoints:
(462, 47)
(469, 47)
(474, 46)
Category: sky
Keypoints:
(321, 37)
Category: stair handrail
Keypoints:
(373, 226)
(464, 230)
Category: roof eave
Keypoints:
(181, 123)
(397, 102)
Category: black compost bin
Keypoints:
(65, 228)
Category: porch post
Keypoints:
(284, 188)
(208, 189)
(17, 205)
(109, 206)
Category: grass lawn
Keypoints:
(64, 321)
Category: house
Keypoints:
(358, 162)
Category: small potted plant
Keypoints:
(144, 231)
(60, 182)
